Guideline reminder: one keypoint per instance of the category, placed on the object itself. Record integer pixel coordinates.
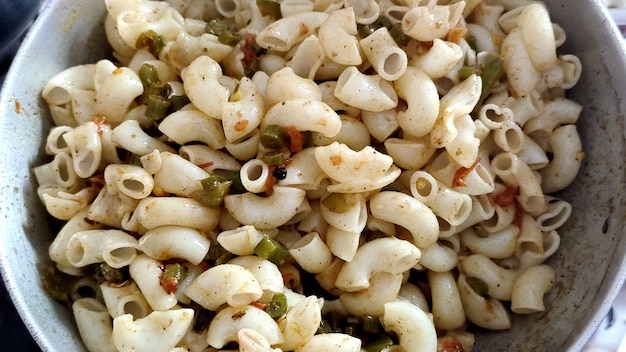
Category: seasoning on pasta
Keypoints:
(278, 175)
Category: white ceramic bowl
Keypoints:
(590, 264)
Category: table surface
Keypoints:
(607, 338)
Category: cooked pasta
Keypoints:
(311, 175)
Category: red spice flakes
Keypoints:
(99, 120)
(18, 107)
(205, 165)
(461, 173)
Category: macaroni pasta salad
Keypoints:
(310, 175)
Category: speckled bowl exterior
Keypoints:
(590, 264)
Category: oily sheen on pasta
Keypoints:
(310, 175)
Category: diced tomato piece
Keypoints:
(448, 344)
(99, 120)
(287, 277)
(461, 173)
(169, 284)
(271, 180)
(296, 139)
(505, 197)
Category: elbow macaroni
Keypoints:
(400, 164)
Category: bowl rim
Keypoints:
(21, 300)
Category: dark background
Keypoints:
(15, 18)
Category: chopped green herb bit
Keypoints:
(58, 284)
(466, 71)
(481, 232)
(215, 188)
(478, 285)
(175, 271)
(157, 106)
(250, 69)
(172, 276)
(398, 35)
(157, 45)
(135, 160)
(272, 250)
(215, 252)
(384, 21)
(229, 38)
(364, 30)
(370, 324)
(378, 344)
(152, 41)
(177, 102)
(236, 187)
(273, 158)
(216, 27)
(367, 29)
(278, 306)
(491, 71)
(274, 137)
(336, 203)
(149, 76)
(157, 96)
(105, 272)
(224, 258)
(224, 35)
(269, 8)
